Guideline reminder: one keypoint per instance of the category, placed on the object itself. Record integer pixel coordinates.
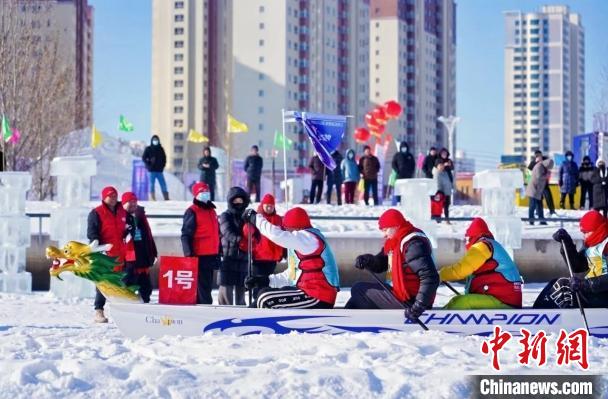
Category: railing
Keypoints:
(561, 221)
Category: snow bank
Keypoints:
(52, 349)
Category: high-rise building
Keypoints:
(412, 58)
(544, 80)
(189, 72)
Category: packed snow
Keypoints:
(50, 348)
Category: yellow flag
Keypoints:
(196, 137)
(235, 126)
(96, 137)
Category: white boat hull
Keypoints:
(154, 320)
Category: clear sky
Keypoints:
(122, 63)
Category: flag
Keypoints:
(325, 132)
(6, 129)
(235, 126)
(279, 143)
(124, 125)
(15, 137)
(196, 137)
(96, 137)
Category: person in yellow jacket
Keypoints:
(492, 278)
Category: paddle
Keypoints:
(451, 287)
(404, 306)
(578, 298)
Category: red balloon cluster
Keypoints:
(376, 120)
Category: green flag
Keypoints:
(6, 129)
(124, 124)
(279, 143)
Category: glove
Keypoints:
(249, 216)
(415, 311)
(365, 261)
(256, 281)
(578, 284)
(562, 235)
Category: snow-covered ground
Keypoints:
(50, 348)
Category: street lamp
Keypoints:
(450, 125)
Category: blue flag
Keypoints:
(325, 132)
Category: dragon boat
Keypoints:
(136, 319)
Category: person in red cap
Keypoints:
(492, 278)
(106, 224)
(140, 253)
(266, 253)
(201, 238)
(407, 257)
(589, 268)
(311, 279)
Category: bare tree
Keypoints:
(37, 90)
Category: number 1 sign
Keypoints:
(177, 280)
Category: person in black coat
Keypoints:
(599, 179)
(253, 166)
(335, 178)
(403, 162)
(208, 165)
(584, 177)
(234, 249)
(429, 163)
(317, 168)
(155, 159)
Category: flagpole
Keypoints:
(284, 156)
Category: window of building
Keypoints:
(178, 149)
(178, 31)
(179, 44)
(261, 42)
(178, 83)
(261, 25)
(178, 96)
(261, 8)
(261, 76)
(260, 110)
(178, 123)
(261, 59)
(178, 70)
(177, 162)
(179, 4)
(260, 127)
(178, 110)
(179, 18)
(178, 57)
(260, 93)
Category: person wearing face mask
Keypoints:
(404, 165)
(599, 179)
(234, 240)
(429, 163)
(411, 273)
(141, 251)
(335, 178)
(201, 238)
(589, 268)
(155, 160)
(568, 180)
(350, 171)
(584, 177)
(492, 278)
(536, 188)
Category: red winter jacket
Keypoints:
(206, 240)
(112, 229)
(264, 249)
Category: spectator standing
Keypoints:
(317, 170)
(350, 172)
(369, 166)
(207, 164)
(155, 159)
(254, 164)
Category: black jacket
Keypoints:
(317, 168)
(231, 232)
(208, 173)
(420, 259)
(404, 163)
(335, 176)
(145, 247)
(253, 167)
(599, 180)
(154, 156)
(428, 165)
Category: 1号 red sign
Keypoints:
(177, 280)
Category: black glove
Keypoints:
(128, 230)
(562, 235)
(249, 216)
(256, 282)
(365, 261)
(414, 311)
(578, 284)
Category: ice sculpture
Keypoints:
(15, 235)
(69, 220)
(416, 204)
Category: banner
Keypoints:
(139, 180)
(177, 280)
(325, 132)
(585, 144)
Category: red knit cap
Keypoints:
(107, 191)
(128, 197)
(268, 200)
(199, 187)
(391, 218)
(296, 218)
(591, 221)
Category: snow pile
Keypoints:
(54, 350)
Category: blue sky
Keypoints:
(122, 63)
